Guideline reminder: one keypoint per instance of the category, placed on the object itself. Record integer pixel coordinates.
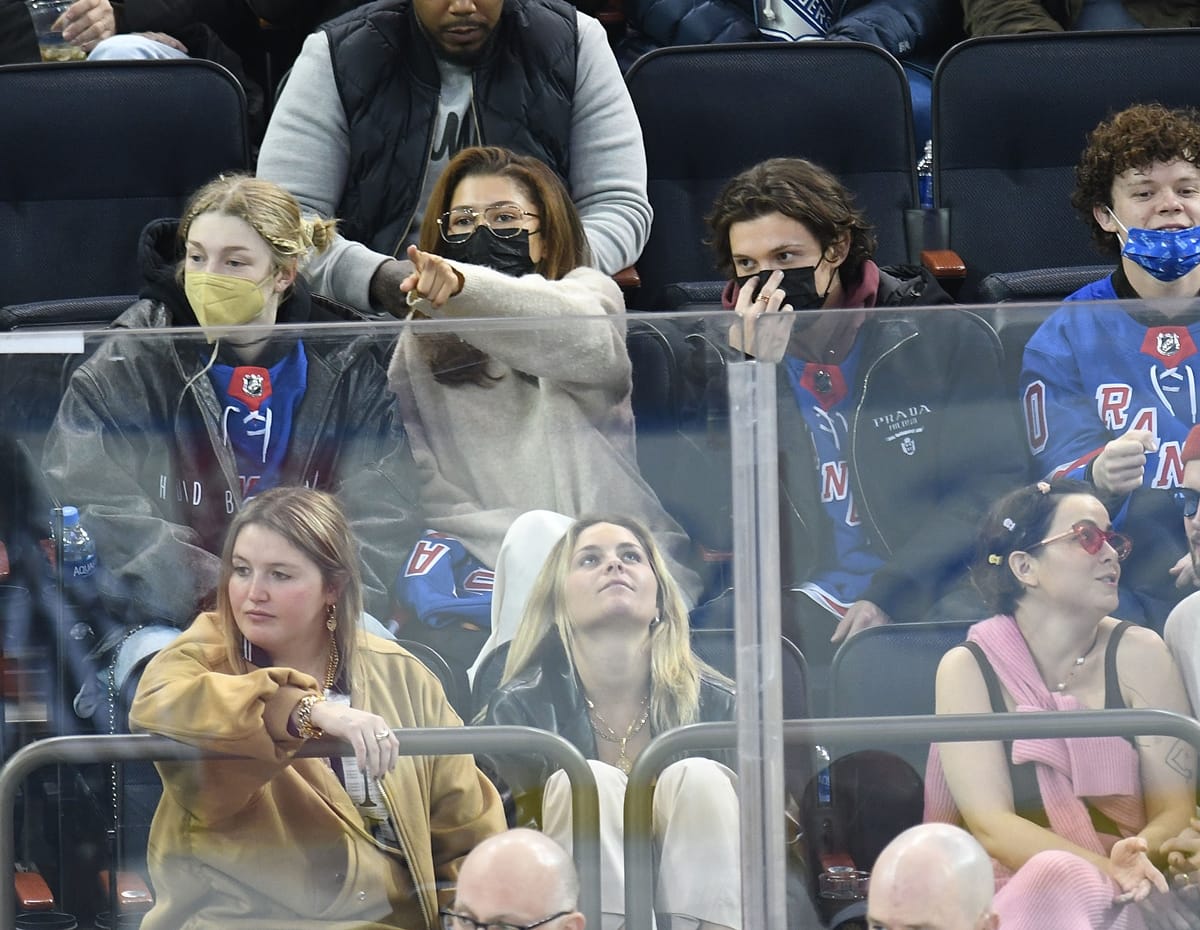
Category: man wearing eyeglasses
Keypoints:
(517, 880)
(381, 98)
(933, 876)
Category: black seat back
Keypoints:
(1011, 115)
(94, 151)
(888, 671)
(709, 112)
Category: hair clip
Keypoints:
(994, 559)
(1043, 487)
(1009, 525)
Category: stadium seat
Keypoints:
(1011, 115)
(709, 112)
(888, 671)
(95, 151)
(80, 313)
(1038, 284)
(1019, 301)
(40, 377)
(675, 445)
(876, 792)
(453, 680)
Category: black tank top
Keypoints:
(1027, 797)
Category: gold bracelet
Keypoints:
(303, 725)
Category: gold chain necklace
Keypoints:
(1061, 686)
(609, 735)
(332, 664)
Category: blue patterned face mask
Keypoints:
(1167, 254)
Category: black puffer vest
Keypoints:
(387, 78)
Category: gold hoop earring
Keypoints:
(331, 617)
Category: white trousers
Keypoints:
(695, 830)
(126, 46)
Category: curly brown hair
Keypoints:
(1136, 137)
(804, 192)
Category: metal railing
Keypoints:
(430, 741)
(873, 731)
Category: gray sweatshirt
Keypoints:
(559, 438)
(307, 151)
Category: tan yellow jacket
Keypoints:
(275, 843)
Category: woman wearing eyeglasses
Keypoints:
(1076, 827)
(535, 417)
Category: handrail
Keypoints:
(421, 741)
(874, 731)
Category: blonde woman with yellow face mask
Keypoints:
(160, 440)
(232, 278)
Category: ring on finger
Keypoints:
(383, 734)
(763, 297)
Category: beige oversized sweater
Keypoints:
(560, 439)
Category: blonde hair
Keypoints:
(314, 523)
(270, 211)
(674, 669)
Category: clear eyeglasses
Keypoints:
(505, 220)
(453, 921)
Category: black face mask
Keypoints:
(483, 247)
(799, 286)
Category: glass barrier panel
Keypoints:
(461, 453)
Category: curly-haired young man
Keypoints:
(1110, 393)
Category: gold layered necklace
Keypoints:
(601, 728)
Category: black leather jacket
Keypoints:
(158, 492)
(548, 695)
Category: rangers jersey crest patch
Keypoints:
(1171, 345)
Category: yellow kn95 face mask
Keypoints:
(223, 300)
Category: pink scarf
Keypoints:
(1104, 770)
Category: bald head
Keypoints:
(932, 876)
(519, 877)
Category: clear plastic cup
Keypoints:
(843, 883)
(46, 15)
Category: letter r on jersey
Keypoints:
(1112, 404)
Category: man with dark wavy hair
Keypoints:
(894, 432)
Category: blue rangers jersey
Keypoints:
(443, 584)
(1091, 374)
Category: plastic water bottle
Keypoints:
(79, 557)
(925, 177)
(824, 784)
